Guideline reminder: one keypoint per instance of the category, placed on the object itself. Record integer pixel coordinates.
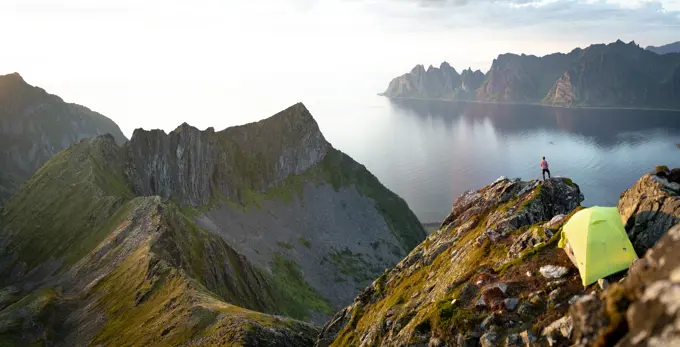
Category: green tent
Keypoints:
(596, 242)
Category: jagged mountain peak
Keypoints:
(419, 68)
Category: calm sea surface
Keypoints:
(429, 152)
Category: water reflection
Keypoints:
(606, 127)
(429, 152)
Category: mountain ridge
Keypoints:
(617, 74)
(665, 49)
(222, 232)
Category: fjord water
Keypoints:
(430, 152)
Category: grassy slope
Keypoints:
(51, 212)
(420, 300)
(175, 286)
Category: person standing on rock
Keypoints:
(545, 168)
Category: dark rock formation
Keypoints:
(617, 74)
(640, 311)
(191, 166)
(454, 287)
(436, 83)
(649, 208)
(35, 125)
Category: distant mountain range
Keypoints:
(665, 49)
(601, 75)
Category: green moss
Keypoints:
(296, 296)
(305, 242)
(380, 282)
(86, 183)
(285, 245)
(617, 301)
(569, 182)
(446, 316)
(662, 168)
(535, 194)
(354, 265)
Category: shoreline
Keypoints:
(535, 104)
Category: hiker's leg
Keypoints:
(543, 175)
(548, 173)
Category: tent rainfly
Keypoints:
(596, 242)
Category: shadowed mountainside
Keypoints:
(35, 125)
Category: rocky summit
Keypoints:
(493, 275)
(478, 279)
(436, 83)
(245, 236)
(35, 125)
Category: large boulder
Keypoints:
(648, 209)
(643, 310)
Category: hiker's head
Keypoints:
(543, 158)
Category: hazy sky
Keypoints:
(156, 64)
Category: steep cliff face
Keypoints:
(35, 125)
(617, 74)
(477, 279)
(521, 78)
(612, 75)
(193, 167)
(437, 83)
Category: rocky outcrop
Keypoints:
(459, 286)
(640, 311)
(649, 208)
(612, 75)
(35, 125)
(436, 83)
